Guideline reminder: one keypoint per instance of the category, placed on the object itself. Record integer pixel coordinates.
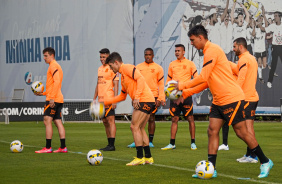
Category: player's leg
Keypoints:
(275, 54)
(187, 109)
(110, 128)
(225, 131)
(259, 59)
(151, 129)
(61, 129)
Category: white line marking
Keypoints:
(163, 166)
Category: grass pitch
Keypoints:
(171, 166)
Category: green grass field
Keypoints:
(172, 166)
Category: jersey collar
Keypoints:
(243, 54)
(207, 45)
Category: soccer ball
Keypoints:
(94, 157)
(204, 169)
(37, 87)
(96, 109)
(16, 146)
(170, 92)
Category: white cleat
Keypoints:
(223, 147)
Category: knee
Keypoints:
(211, 132)
(175, 119)
(133, 128)
(190, 119)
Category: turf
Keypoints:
(171, 166)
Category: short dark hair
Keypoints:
(180, 45)
(279, 13)
(197, 31)
(104, 51)
(113, 57)
(50, 50)
(149, 49)
(241, 41)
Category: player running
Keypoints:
(54, 102)
(134, 84)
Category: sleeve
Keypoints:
(116, 99)
(191, 91)
(194, 71)
(243, 69)
(116, 77)
(161, 96)
(56, 78)
(234, 68)
(269, 28)
(209, 63)
(169, 74)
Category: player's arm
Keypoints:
(169, 74)
(194, 71)
(161, 96)
(265, 20)
(225, 11)
(247, 18)
(232, 13)
(243, 69)
(116, 99)
(234, 68)
(115, 82)
(96, 91)
(56, 86)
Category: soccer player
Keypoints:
(246, 70)
(154, 76)
(228, 98)
(54, 102)
(107, 86)
(134, 84)
(183, 70)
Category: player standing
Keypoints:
(54, 102)
(182, 70)
(228, 98)
(134, 84)
(154, 76)
(107, 87)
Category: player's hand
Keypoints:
(114, 106)
(52, 103)
(38, 93)
(136, 104)
(163, 103)
(175, 85)
(179, 100)
(157, 103)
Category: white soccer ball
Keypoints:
(170, 92)
(16, 146)
(94, 157)
(37, 87)
(96, 109)
(204, 169)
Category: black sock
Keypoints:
(172, 141)
(151, 137)
(258, 151)
(248, 153)
(147, 151)
(111, 141)
(192, 141)
(63, 143)
(212, 159)
(225, 131)
(139, 150)
(48, 143)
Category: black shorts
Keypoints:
(186, 108)
(146, 107)
(109, 111)
(155, 109)
(260, 54)
(56, 112)
(232, 113)
(250, 109)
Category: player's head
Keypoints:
(240, 19)
(179, 51)
(198, 36)
(148, 55)
(114, 60)
(277, 17)
(49, 54)
(104, 53)
(239, 46)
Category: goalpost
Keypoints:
(4, 117)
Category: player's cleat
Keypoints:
(136, 161)
(261, 80)
(249, 159)
(269, 85)
(151, 145)
(223, 147)
(213, 176)
(193, 146)
(242, 158)
(149, 160)
(108, 148)
(265, 168)
(132, 145)
(275, 75)
(44, 150)
(169, 147)
(61, 150)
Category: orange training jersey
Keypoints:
(217, 73)
(105, 83)
(246, 71)
(134, 84)
(181, 70)
(54, 83)
(154, 76)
